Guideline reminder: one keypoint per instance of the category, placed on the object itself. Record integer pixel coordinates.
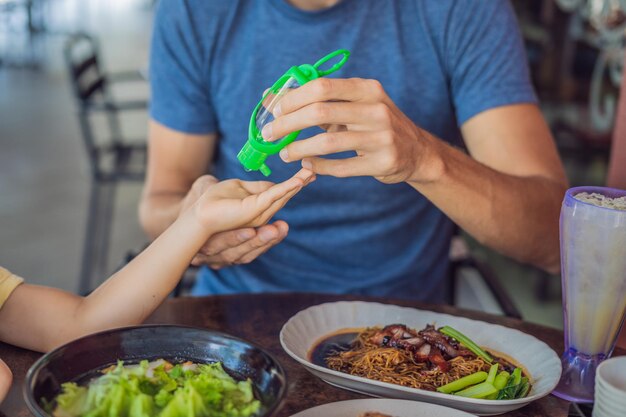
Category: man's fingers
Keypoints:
(330, 89)
(270, 101)
(266, 236)
(233, 255)
(330, 143)
(282, 227)
(199, 260)
(283, 230)
(341, 168)
(224, 240)
(357, 116)
(251, 256)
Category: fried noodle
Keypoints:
(397, 366)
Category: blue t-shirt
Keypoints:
(441, 62)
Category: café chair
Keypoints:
(22, 28)
(112, 159)
(474, 285)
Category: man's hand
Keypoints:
(359, 116)
(513, 176)
(243, 244)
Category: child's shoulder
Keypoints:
(8, 282)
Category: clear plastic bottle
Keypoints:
(265, 114)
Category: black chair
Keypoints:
(112, 159)
(478, 281)
(22, 24)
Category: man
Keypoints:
(426, 77)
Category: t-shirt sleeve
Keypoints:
(179, 80)
(485, 57)
(8, 283)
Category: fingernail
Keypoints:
(306, 164)
(245, 235)
(266, 132)
(284, 155)
(266, 236)
(278, 111)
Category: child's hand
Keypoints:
(233, 204)
(6, 377)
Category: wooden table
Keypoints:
(259, 318)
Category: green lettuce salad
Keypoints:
(158, 389)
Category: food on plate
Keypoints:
(158, 388)
(442, 360)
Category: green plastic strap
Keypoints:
(345, 55)
(302, 73)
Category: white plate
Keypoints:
(394, 408)
(304, 330)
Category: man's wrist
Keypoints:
(430, 165)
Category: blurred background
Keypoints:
(73, 76)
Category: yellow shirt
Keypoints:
(8, 282)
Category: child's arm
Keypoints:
(42, 318)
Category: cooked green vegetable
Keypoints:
(464, 382)
(510, 390)
(161, 391)
(493, 371)
(467, 342)
(501, 380)
(481, 390)
(492, 385)
(477, 385)
(499, 383)
(524, 387)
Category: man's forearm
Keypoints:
(518, 216)
(175, 160)
(158, 211)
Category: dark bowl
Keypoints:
(77, 359)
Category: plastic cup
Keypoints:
(599, 411)
(610, 388)
(593, 277)
(607, 405)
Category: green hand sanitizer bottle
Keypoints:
(256, 150)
